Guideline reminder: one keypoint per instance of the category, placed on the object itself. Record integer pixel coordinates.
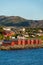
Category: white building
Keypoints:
(26, 35)
(23, 29)
(20, 37)
(12, 37)
(7, 28)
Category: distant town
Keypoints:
(20, 37)
(20, 33)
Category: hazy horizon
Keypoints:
(29, 9)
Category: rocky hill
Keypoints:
(19, 21)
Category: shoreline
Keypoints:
(21, 47)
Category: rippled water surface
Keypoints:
(22, 57)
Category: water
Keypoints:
(22, 57)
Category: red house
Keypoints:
(20, 42)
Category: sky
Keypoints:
(29, 9)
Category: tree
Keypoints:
(7, 38)
(1, 36)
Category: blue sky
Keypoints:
(29, 9)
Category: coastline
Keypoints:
(20, 47)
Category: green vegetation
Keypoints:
(1, 36)
(1, 29)
(7, 38)
(40, 37)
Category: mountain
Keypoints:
(19, 21)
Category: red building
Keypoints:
(20, 42)
(6, 43)
(8, 33)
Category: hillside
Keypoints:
(19, 21)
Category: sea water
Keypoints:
(22, 57)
